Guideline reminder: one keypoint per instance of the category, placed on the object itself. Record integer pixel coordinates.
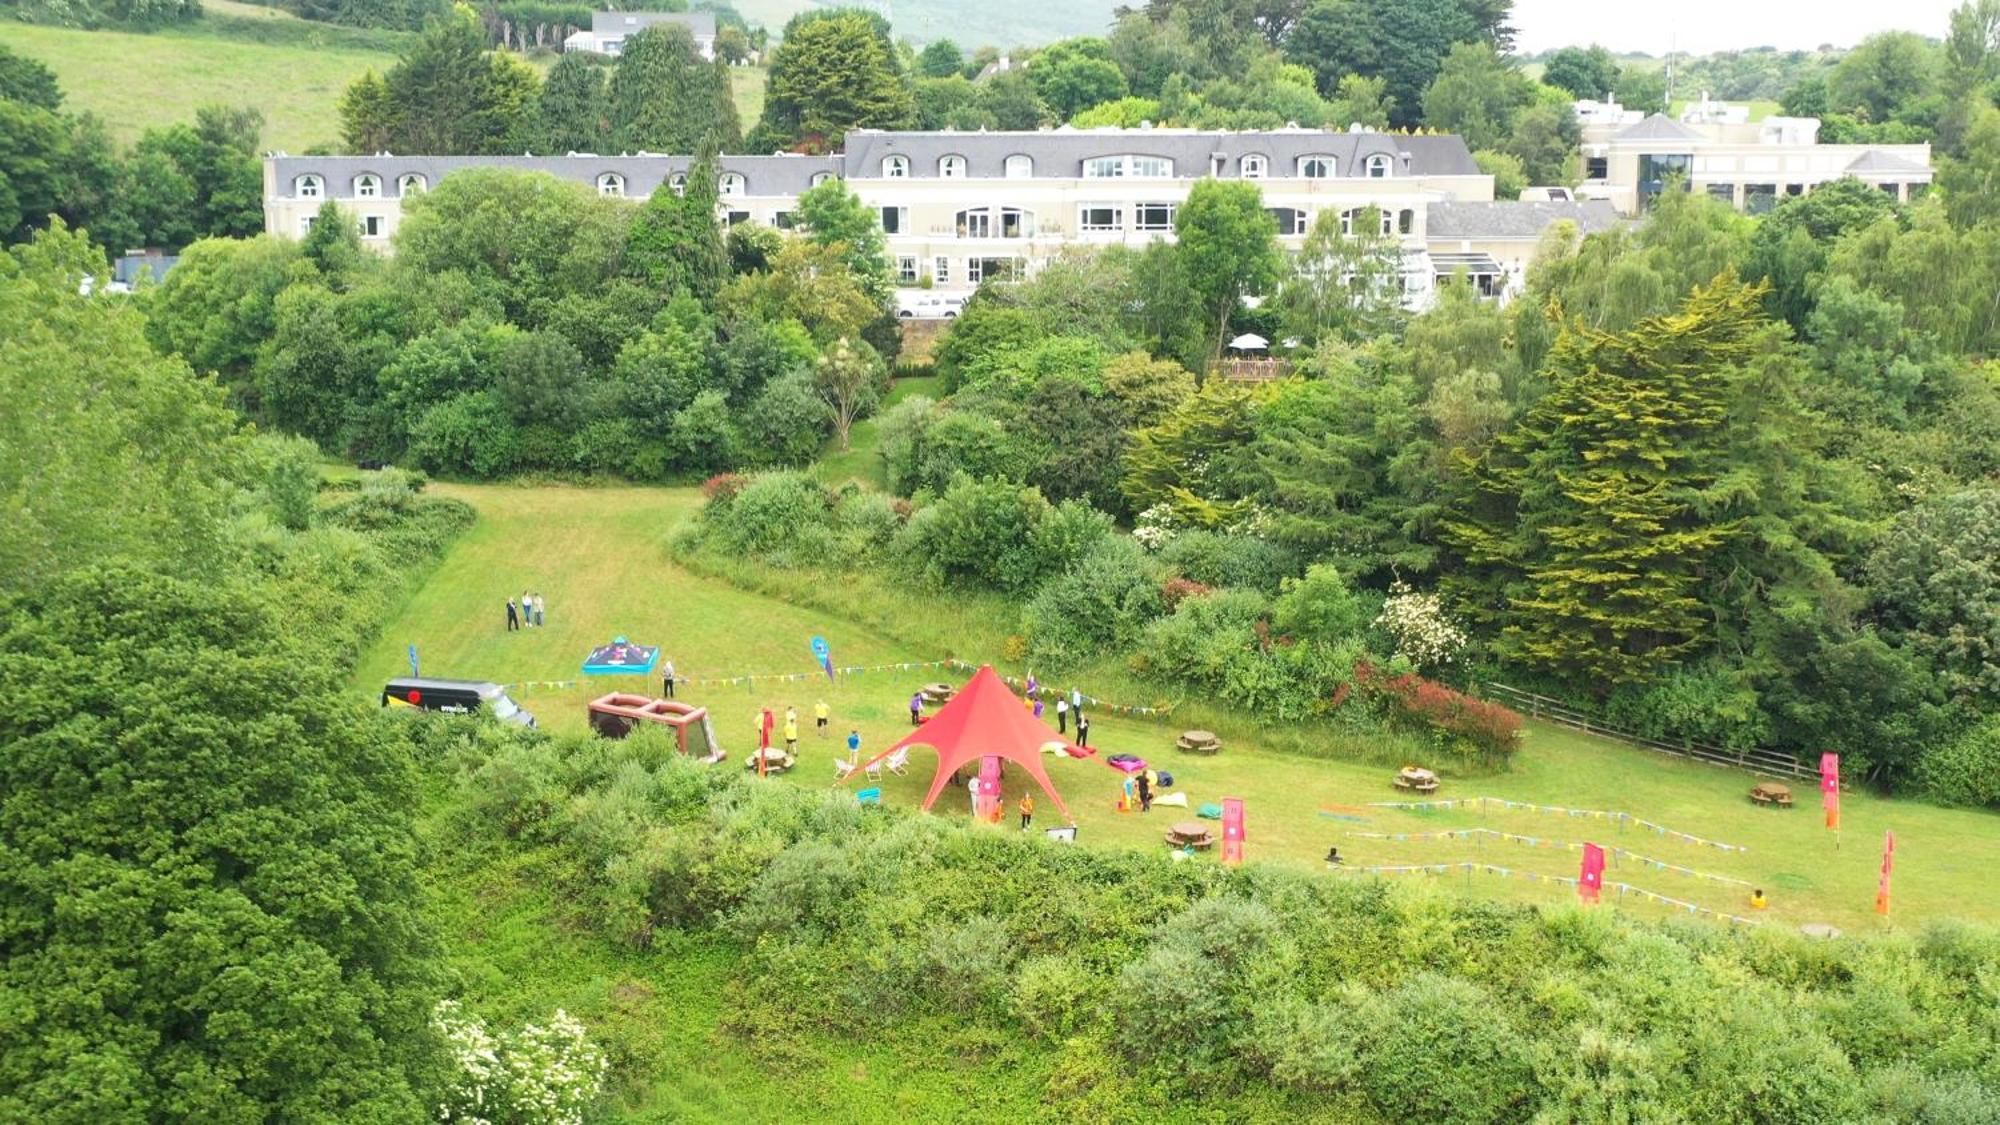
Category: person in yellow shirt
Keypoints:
(1027, 810)
(791, 731)
(1757, 900)
(820, 715)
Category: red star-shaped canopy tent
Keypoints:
(983, 720)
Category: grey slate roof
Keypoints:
(1877, 162)
(1514, 219)
(1657, 127)
(699, 24)
(762, 175)
(1061, 152)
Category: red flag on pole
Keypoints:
(1829, 787)
(1590, 878)
(1888, 861)
(1232, 830)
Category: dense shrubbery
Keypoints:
(1161, 981)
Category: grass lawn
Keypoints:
(597, 557)
(746, 86)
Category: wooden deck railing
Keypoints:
(1555, 711)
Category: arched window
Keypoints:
(410, 183)
(1379, 166)
(309, 187)
(895, 167)
(1020, 167)
(819, 178)
(951, 167)
(610, 183)
(1316, 167)
(732, 183)
(678, 183)
(1254, 167)
(367, 185)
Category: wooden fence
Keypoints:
(1555, 711)
(1252, 370)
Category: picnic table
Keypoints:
(1199, 742)
(1771, 793)
(937, 693)
(1416, 780)
(1190, 834)
(775, 760)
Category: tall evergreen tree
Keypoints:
(834, 71)
(572, 114)
(664, 95)
(676, 242)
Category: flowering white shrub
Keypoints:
(544, 1073)
(1154, 527)
(1425, 635)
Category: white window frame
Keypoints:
(1308, 170)
(1140, 224)
(1301, 222)
(731, 185)
(974, 222)
(1380, 166)
(306, 224)
(941, 270)
(896, 167)
(309, 186)
(611, 185)
(411, 183)
(1128, 166)
(1020, 166)
(379, 227)
(368, 185)
(1086, 226)
(906, 269)
(819, 178)
(1150, 167)
(1254, 167)
(902, 219)
(951, 167)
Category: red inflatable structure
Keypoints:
(620, 713)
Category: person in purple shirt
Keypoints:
(916, 708)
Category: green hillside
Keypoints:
(1029, 23)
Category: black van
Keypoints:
(460, 697)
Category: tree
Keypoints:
(808, 283)
(447, 95)
(31, 150)
(850, 379)
(675, 244)
(1361, 101)
(1586, 72)
(1509, 174)
(1477, 95)
(26, 80)
(732, 46)
(833, 216)
(1935, 580)
(1074, 73)
(526, 240)
(663, 94)
(1884, 74)
(832, 72)
(1402, 42)
(1545, 136)
(572, 113)
(1010, 101)
(1229, 244)
(368, 114)
(952, 102)
(1341, 287)
(1789, 247)
(940, 58)
(1970, 181)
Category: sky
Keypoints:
(1702, 26)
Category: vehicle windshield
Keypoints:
(504, 707)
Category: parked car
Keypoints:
(929, 306)
(458, 697)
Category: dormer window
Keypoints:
(1378, 167)
(367, 186)
(732, 183)
(895, 167)
(819, 178)
(410, 183)
(611, 183)
(1316, 167)
(1128, 167)
(1020, 167)
(309, 187)
(1254, 167)
(951, 168)
(678, 183)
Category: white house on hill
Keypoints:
(609, 30)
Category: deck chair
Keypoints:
(899, 762)
(841, 768)
(875, 771)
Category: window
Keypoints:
(991, 269)
(906, 269)
(371, 226)
(410, 183)
(1795, 189)
(734, 217)
(1406, 221)
(368, 186)
(1154, 216)
(1378, 166)
(1386, 222)
(1316, 167)
(1725, 193)
(1657, 170)
(819, 178)
(610, 183)
(951, 167)
(784, 220)
(975, 224)
(1016, 223)
(1889, 189)
(895, 220)
(941, 270)
(1759, 198)
(1596, 167)
(306, 223)
(308, 187)
(1020, 167)
(896, 167)
(1098, 218)
(1254, 167)
(1119, 167)
(678, 183)
(732, 183)
(1291, 220)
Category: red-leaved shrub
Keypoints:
(1173, 590)
(723, 487)
(1490, 732)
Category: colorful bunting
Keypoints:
(1624, 819)
(1537, 877)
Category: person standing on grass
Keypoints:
(527, 607)
(1062, 715)
(791, 731)
(1027, 810)
(1145, 793)
(1082, 730)
(667, 679)
(513, 617)
(916, 708)
(1076, 702)
(1038, 710)
(538, 612)
(854, 747)
(820, 714)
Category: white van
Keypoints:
(922, 304)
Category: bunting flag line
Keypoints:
(1621, 854)
(1624, 819)
(1537, 877)
(1099, 704)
